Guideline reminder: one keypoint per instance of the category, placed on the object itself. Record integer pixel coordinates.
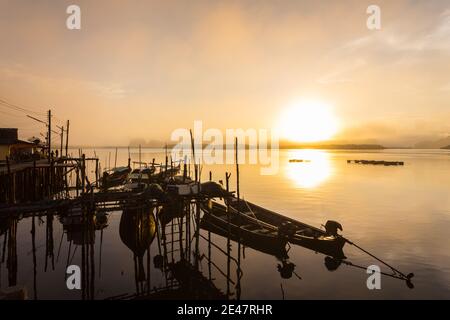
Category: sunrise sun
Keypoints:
(308, 121)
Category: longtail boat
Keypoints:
(254, 234)
(326, 241)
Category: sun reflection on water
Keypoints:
(313, 171)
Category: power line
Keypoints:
(19, 108)
(4, 113)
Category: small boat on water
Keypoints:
(114, 177)
(139, 179)
(324, 241)
(251, 233)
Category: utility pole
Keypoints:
(49, 140)
(67, 137)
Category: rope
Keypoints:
(408, 277)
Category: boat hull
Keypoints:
(307, 236)
(268, 243)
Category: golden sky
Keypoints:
(140, 69)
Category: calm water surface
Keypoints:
(399, 213)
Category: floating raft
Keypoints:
(298, 160)
(378, 162)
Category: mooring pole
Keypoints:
(115, 159)
(34, 182)
(167, 159)
(97, 177)
(67, 138)
(129, 158)
(227, 180)
(62, 143)
(49, 134)
(83, 172)
(238, 289)
(10, 184)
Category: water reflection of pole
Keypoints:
(83, 253)
(197, 231)
(33, 244)
(180, 235)
(188, 232)
(171, 242)
(49, 246)
(158, 235)
(87, 253)
(148, 264)
(209, 255)
(92, 256)
(100, 255)
(11, 262)
(3, 253)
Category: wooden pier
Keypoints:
(45, 179)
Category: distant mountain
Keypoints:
(435, 144)
(446, 147)
(146, 143)
(336, 146)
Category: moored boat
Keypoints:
(254, 234)
(114, 177)
(324, 241)
(139, 179)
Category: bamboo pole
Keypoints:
(67, 138)
(238, 286)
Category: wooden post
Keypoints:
(238, 289)
(96, 173)
(83, 172)
(167, 159)
(34, 182)
(193, 154)
(9, 192)
(62, 138)
(227, 181)
(51, 176)
(140, 162)
(115, 159)
(67, 138)
(129, 158)
(197, 231)
(49, 134)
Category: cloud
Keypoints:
(108, 90)
(342, 73)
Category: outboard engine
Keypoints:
(332, 227)
(286, 229)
